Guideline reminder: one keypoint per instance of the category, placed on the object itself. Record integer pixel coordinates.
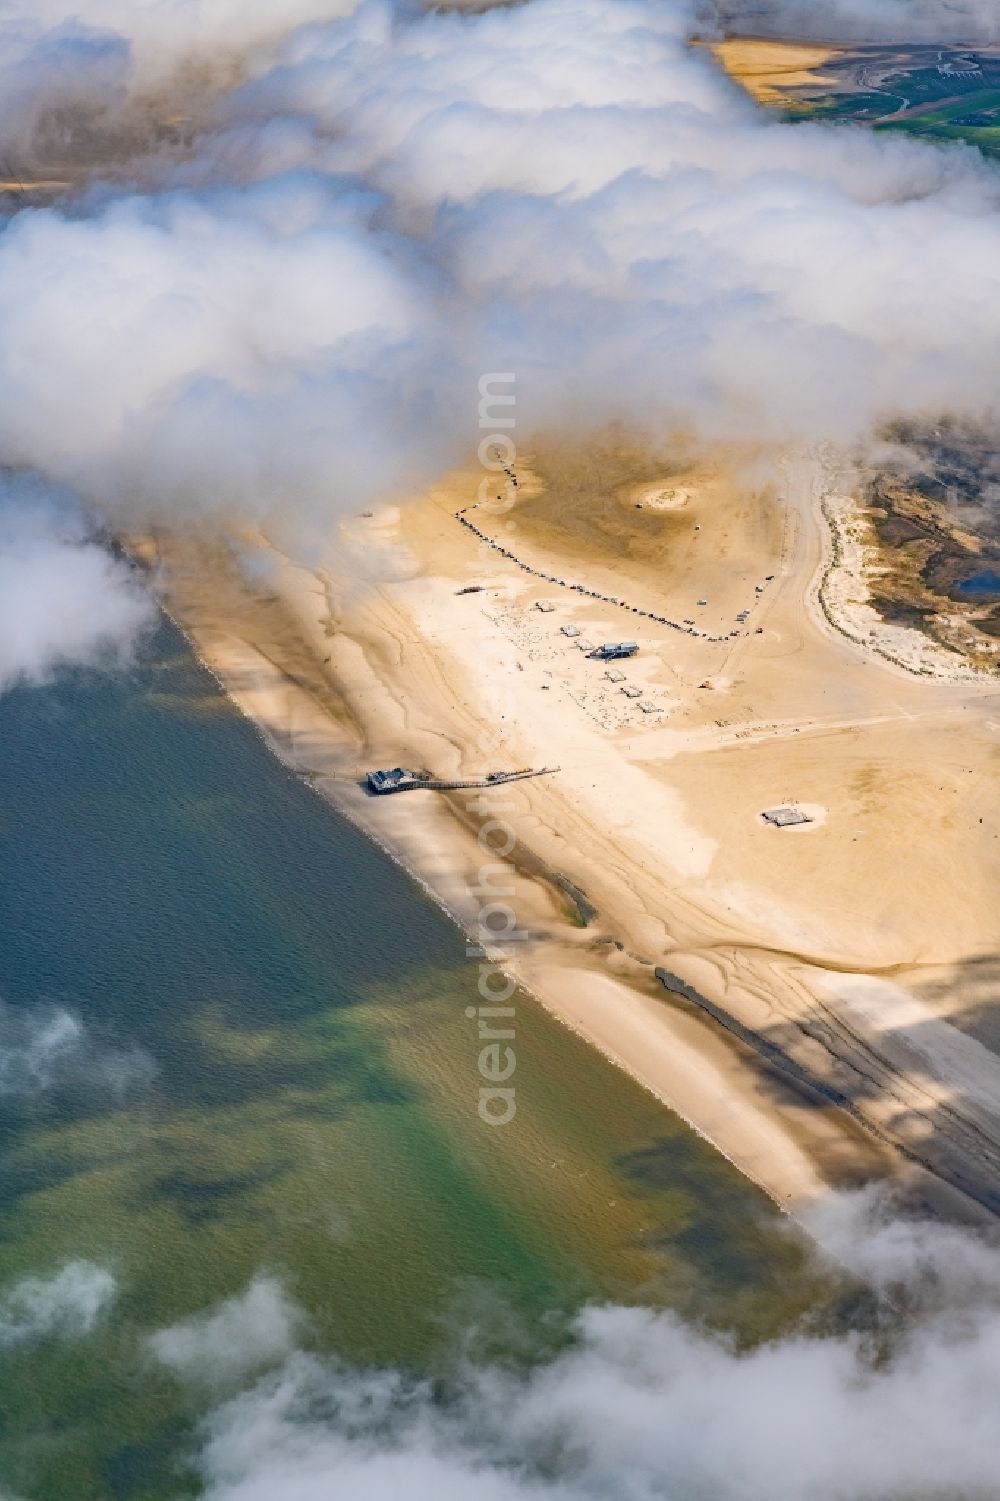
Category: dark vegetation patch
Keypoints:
(898, 611)
(935, 514)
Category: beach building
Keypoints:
(391, 781)
(785, 818)
(611, 650)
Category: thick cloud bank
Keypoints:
(259, 352)
(281, 310)
(64, 601)
(287, 315)
(643, 1408)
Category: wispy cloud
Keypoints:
(243, 1335)
(67, 1305)
(64, 600)
(46, 1049)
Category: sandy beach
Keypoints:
(818, 1012)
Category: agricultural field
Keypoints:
(939, 93)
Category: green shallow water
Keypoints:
(292, 1009)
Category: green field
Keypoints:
(974, 119)
(957, 121)
(917, 100)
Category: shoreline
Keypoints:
(794, 1185)
(769, 1155)
(215, 662)
(384, 656)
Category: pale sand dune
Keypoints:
(660, 826)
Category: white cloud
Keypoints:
(289, 319)
(48, 1048)
(260, 353)
(644, 1408)
(66, 1305)
(218, 1348)
(64, 600)
(162, 36)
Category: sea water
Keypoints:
(234, 1042)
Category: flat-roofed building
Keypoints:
(785, 818)
(395, 780)
(611, 650)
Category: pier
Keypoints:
(380, 783)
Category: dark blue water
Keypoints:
(982, 585)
